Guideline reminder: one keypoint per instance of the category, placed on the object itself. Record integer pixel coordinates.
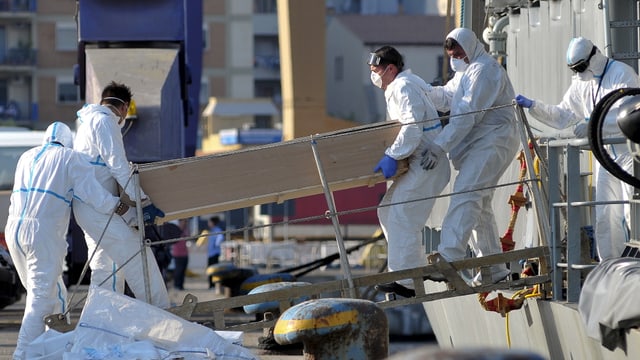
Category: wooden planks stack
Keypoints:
(268, 173)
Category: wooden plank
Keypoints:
(265, 174)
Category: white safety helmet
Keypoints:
(579, 52)
(60, 133)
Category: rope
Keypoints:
(526, 293)
(328, 214)
(502, 305)
(316, 137)
(518, 199)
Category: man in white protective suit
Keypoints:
(402, 213)
(481, 146)
(595, 75)
(99, 137)
(47, 179)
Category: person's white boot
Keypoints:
(498, 273)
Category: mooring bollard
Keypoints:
(230, 276)
(261, 279)
(336, 328)
(270, 310)
(274, 306)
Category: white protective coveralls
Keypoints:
(47, 179)
(611, 221)
(402, 224)
(99, 137)
(481, 146)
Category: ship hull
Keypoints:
(552, 329)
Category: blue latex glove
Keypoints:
(524, 102)
(150, 212)
(388, 166)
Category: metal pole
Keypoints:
(635, 207)
(537, 197)
(143, 245)
(554, 197)
(344, 260)
(573, 223)
(608, 51)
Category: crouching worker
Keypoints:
(47, 179)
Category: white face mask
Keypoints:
(120, 119)
(377, 79)
(586, 75)
(121, 122)
(458, 65)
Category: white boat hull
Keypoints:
(550, 328)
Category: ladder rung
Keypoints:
(624, 23)
(626, 55)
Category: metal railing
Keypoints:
(18, 5)
(566, 198)
(19, 56)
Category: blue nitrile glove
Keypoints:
(388, 166)
(150, 212)
(524, 102)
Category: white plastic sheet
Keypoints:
(609, 301)
(114, 326)
(49, 346)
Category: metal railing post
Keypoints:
(344, 260)
(143, 245)
(573, 222)
(538, 204)
(556, 231)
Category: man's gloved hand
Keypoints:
(524, 102)
(431, 156)
(130, 217)
(581, 130)
(150, 212)
(388, 166)
(127, 213)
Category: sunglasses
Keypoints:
(583, 64)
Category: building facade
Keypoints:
(38, 50)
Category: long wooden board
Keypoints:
(269, 173)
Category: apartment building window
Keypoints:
(264, 6)
(67, 91)
(348, 6)
(66, 37)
